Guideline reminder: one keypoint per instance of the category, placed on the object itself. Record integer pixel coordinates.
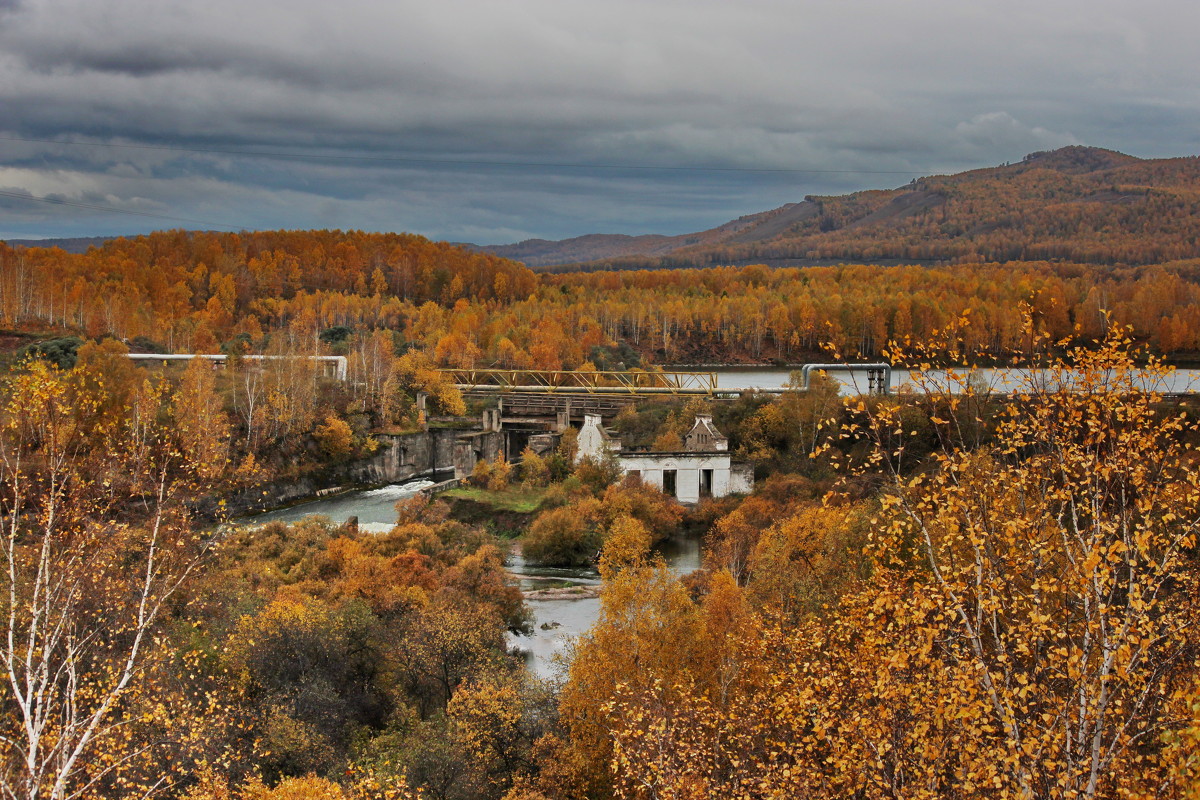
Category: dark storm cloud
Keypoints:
(874, 85)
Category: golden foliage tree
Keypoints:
(1026, 630)
(85, 597)
(201, 424)
(535, 471)
(335, 437)
(1060, 562)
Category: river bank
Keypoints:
(565, 602)
(435, 454)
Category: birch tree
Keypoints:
(84, 597)
(1027, 630)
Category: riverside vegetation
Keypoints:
(938, 594)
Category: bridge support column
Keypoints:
(562, 419)
(422, 416)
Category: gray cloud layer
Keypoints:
(926, 85)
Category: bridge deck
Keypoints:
(533, 404)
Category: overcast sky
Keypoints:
(486, 121)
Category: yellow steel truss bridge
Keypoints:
(575, 382)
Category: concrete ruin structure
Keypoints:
(703, 468)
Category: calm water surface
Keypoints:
(560, 622)
(557, 622)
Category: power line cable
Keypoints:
(114, 210)
(462, 162)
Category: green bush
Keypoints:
(59, 352)
(563, 537)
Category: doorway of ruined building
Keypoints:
(706, 482)
(669, 482)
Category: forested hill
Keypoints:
(185, 288)
(1080, 204)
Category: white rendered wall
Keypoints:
(593, 442)
(687, 472)
(741, 478)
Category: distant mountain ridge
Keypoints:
(1076, 203)
(541, 252)
(1081, 204)
(78, 244)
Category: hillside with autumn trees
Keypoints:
(183, 289)
(1080, 204)
(947, 593)
(180, 292)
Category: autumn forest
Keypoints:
(949, 592)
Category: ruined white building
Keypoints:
(703, 468)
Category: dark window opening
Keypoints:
(706, 482)
(669, 482)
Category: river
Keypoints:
(375, 508)
(557, 621)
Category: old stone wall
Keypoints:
(400, 458)
(475, 446)
(405, 456)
